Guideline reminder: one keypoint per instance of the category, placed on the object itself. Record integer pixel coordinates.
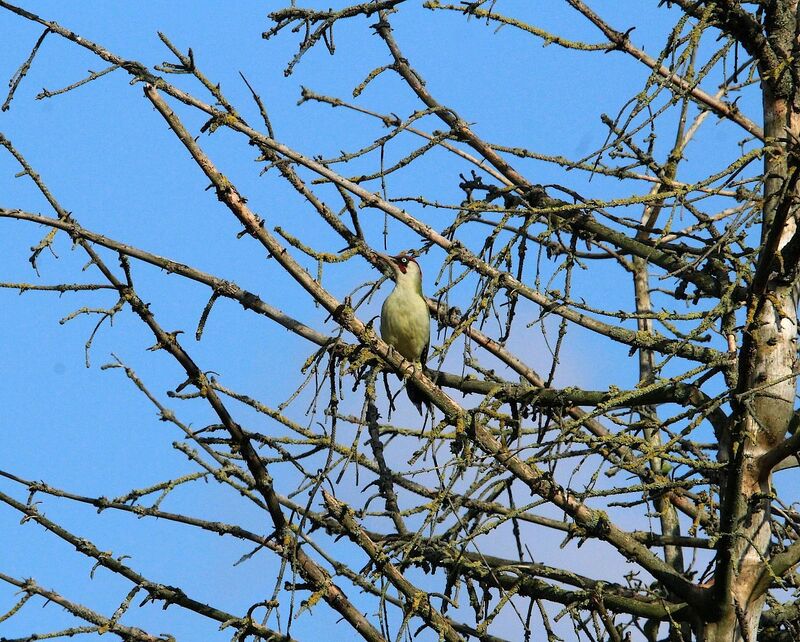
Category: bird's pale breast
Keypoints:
(405, 324)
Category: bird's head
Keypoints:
(406, 269)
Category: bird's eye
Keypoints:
(404, 260)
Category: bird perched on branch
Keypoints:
(405, 320)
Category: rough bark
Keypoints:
(766, 383)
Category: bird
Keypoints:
(405, 320)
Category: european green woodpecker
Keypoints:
(405, 320)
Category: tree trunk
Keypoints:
(765, 390)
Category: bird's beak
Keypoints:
(386, 260)
(389, 268)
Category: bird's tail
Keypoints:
(417, 397)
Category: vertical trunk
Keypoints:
(765, 390)
(648, 415)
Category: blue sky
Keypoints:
(109, 158)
